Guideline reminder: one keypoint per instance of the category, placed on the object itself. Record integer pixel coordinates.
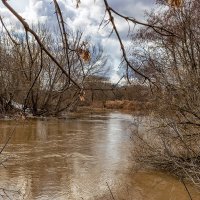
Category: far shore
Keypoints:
(125, 106)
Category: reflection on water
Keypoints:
(75, 158)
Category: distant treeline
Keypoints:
(100, 92)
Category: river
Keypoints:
(83, 156)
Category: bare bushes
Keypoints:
(169, 147)
(173, 142)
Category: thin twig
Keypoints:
(186, 189)
(9, 138)
(110, 191)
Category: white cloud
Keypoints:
(87, 18)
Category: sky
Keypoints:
(86, 18)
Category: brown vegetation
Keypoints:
(131, 106)
(172, 143)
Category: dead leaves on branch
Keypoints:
(82, 96)
(78, 3)
(84, 52)
(175, 3)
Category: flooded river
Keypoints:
(85, 156)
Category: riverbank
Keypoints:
(133, 107)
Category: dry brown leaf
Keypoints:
(83, 51)
(85, 55)
(175, 3)
(78, 3)
(82, 96)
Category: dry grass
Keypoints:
(134, 106)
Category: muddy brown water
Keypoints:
(85, 156)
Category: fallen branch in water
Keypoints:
(9, 138)
(190, 196)
(110, 191)
(7, 191)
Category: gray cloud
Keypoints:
(134, 8)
